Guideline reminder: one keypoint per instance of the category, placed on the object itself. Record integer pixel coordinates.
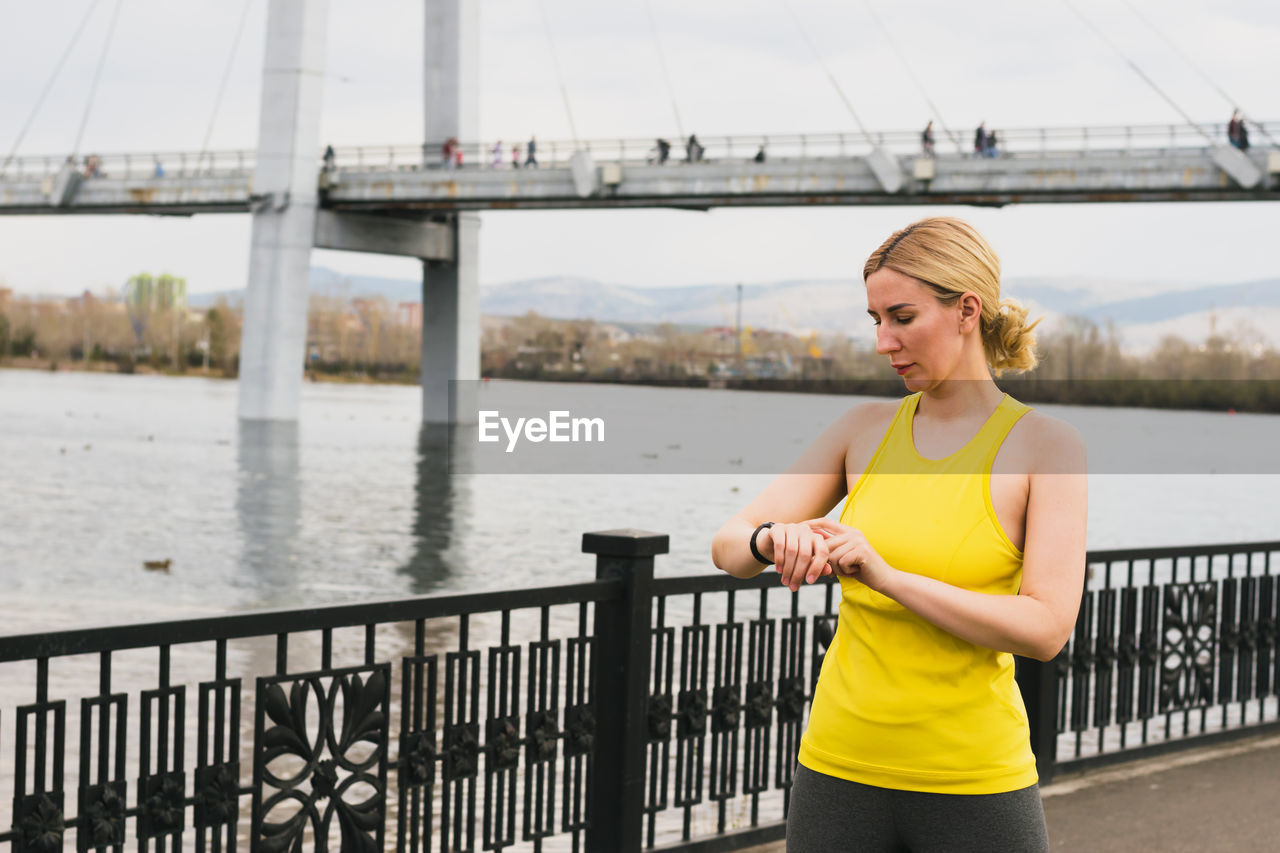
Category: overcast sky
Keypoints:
(739, 66)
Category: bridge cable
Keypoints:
(1203, 74)
(818, 56)
(662, 63)
(555, 59)
(49, 85)
(97, 75)
(1139, 71)
(222, 86)
(888, 37)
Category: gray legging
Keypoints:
(828, 814)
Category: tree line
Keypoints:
(374, 339)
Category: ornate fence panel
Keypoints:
(627, 713)
(434, 723)
(1172, 646)
(730, 682)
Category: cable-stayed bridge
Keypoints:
(1148, 163)
(409, 200)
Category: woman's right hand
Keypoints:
(799, 553)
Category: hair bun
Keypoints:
(1012, 342)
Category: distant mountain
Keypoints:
(1140, 311)
(1166, 306)
(327, 282)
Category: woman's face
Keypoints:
(921, 336)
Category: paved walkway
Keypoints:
(1224, 798)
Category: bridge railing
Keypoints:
(1014, 142)
(626, 713)
(134, 165)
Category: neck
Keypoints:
(957, 398)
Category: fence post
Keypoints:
(1038, 681)
(620, 686)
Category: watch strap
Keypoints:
(755, 552)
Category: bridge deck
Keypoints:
(1037, 166)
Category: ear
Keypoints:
(970, 311)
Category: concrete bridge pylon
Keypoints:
(285, 198)
(450, 286)
(288, 219)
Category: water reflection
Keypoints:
(269, 504)
(441, 500)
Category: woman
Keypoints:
(917, 737)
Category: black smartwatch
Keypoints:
(755, 552)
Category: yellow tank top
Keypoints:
(901, 703)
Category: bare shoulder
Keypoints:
(1049, 445)
(865, 424)
(865, 415)
(868, 419)
(872, 412)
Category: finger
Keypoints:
(852, 559)
(813, 556)
(816, 565)
(840, 559)
(793, 559)
(780, 554)
(839, 551)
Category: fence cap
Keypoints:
(626, 542)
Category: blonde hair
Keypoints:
(951, 258)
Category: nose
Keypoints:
(885, 341)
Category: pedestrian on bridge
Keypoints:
(693, 149)
(1237, 133)
(980, 140)
(917, 736)
(926, 139)
(497, 155)
(515, 155)
(531, 152)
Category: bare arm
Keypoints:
(1038, 620)
(809, 488)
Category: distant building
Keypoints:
(143, 293)
(409, 314)
(85, 301)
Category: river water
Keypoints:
(101, 472)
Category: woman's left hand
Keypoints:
(851, 555)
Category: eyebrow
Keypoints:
(895, 307)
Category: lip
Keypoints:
(903, 368)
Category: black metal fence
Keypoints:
(1172, 645)
(541, 719)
